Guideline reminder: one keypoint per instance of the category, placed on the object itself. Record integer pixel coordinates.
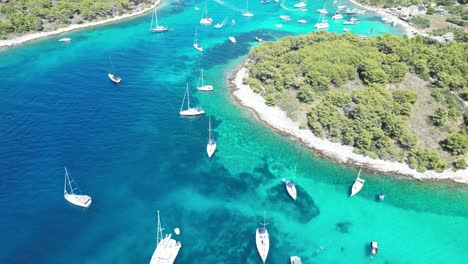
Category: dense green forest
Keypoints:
(354, 94)
(19, 16)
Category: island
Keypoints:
(25, 20)
(393, 104)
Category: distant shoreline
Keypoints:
(277, 119)
(37, 35)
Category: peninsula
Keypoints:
(392, 104)
(26, 20)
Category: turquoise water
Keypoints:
(128, 148)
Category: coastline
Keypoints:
(277, 119)
(37, 35)
(408, 29)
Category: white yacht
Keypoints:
(205, 20)
(302, 21)
(337, 16)
(345, 29)
(65, 39)
(70, 195)
(323, 11)
(167, 248)
(300, 5)
(220, 25)
(295, 260)
(322, 25)
(291, 189)
(246, 13)
(263, 241)
(232, 39)
(157, 28)
(211, 145)
(114, 78)
(352, 21)
(258, 39)
(204, 87)
(195, 42)
(189, 111)
(285, 18)
(358, 184)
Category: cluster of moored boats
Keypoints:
(167, 248)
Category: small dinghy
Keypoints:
(66, 39)
(295, 260)
(114, 78)
(374, 247)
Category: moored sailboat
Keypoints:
(295, 260)
(246, 13)
(211, 145)
(167, 248)
(157, 28)
(220, 25)
(195, 42)
(189, 111)
(204, 87)
(111, 74)
(205, 20)
(232, 39)
(262, 240)
(69, 192)
(358, 184)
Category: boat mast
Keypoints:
(69, 182)
(156, 17)
(209, 129)
(188, 98)
(159, 231)
(65, 185)
(202, 82)
(152, 17)
(183, 100)
(247, 6)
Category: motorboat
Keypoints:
(285, 18)
(302, 21)
(114, 78)
(66, 39)
(374, 248)
(232, 39)
(295, 260)
(300, 5)
(258, 39)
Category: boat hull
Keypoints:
(263, 243)
(198, 47)
(159, 29)
(166, 251)
(291, 189)
(210, 149)
(205, 88)
(113, 78)
(247, 14)
(79, 200)
(192, 112)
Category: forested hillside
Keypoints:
(20, 16)
(390, 97)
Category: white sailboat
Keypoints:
(112, 76)
(204, 87)
(358, 184)
(300, 5)
(157, 28)
(220, 25)
(295, 260)
(65, 39)
(321, 23)
(291, 186)
(195, 42)
(211, 146)
(302, 21)
(167, 248)
(205, 20)
(262, 240)
(246, 13)
(70, 195)
(189, 111)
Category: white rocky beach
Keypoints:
(277, 118)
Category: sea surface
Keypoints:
(127, 147)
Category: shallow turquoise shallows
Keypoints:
(128, 148)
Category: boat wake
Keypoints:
(289, 9)
(232, 7)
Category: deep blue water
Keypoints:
(128, 148)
